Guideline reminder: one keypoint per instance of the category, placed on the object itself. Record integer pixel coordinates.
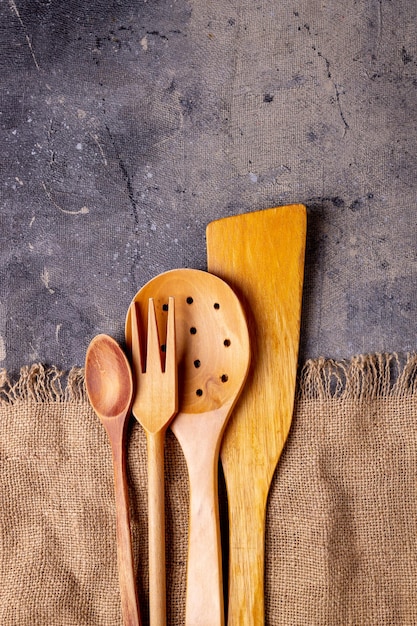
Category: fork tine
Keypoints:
(137, 356)
(170, 361)
(153, 348)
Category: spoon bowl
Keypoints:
(108, 378)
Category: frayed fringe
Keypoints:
(43, 384)
(364, 377)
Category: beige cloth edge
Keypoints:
(362, 377)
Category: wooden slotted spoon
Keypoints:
(213, 353)
(261, 255)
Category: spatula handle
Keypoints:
(246, 561)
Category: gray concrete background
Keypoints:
(127, 126)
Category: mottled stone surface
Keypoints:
(127, 126)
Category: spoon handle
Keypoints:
(127, 582)
(156, 530)
(200, 445)
(204, 604)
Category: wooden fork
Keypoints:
(154, 405)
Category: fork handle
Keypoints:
(156, 528)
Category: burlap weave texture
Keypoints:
(341, 544)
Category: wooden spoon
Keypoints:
(213, 359)
(110, 389)
(261, 255)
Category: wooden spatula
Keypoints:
(261, 256)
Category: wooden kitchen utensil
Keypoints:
(155, 404)
(213, 360)
(261, 255)
(110, 388)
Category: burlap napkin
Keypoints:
(341, 539)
